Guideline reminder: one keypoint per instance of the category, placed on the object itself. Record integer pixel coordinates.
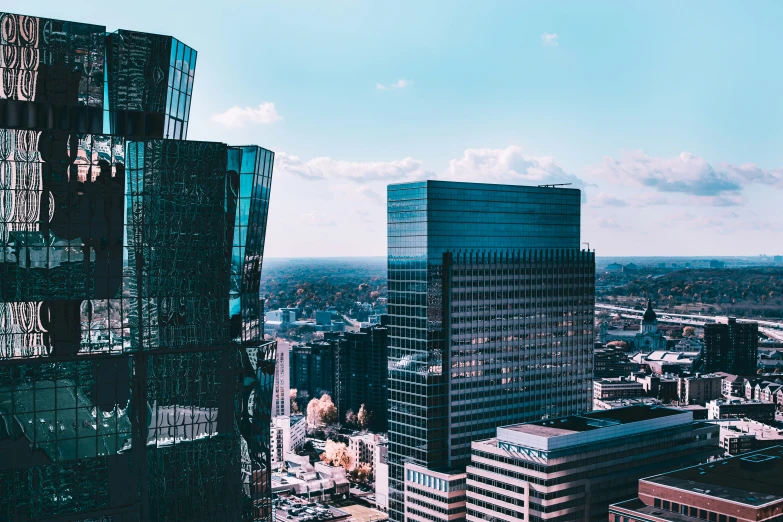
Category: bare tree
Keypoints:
(292, 400)
(351, 418)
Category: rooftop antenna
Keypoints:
(588, 245)
(553, 185)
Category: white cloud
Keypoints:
(549, 39)
(358, 171)
(605, 199)
(509, 165)
(317, 219)
(399, 84)
(608, 223)
(370, 194)
(714, 185)
(238, 117)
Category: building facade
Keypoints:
(572, 468)
(366, 373)
(612, 361)
(700, 389)
(731, 347)
(434, 495)
(617, 388)
(281, 396)
(742, 436)
(747, 488)
(741, 408)
(126, 376)
(490, 317)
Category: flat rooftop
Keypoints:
(594, 420)
(753, 479)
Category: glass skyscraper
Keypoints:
(490, 319)
(134, 380)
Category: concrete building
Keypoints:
(617, 388)
(434, 495)
(741, 408)
(323, 317)
(746, 488)
(612, 361)
(572, 468)
(622, 403)
(381, 469)
(287, 435)
(732, 385)
(284, 315)
(662, 361)
(281, 394)
(699, 389)
(364, 447)
(661, 387)
(741, 436)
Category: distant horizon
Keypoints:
(761, 256)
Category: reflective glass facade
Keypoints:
(134, 380)
(491, 316)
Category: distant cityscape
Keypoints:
(489, 368)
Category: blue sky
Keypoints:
(668, 114)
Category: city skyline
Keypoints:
(666, 115)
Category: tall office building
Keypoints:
(134, 380)
(281, 397)
(490, 319)
(367, 371)
(731, 347)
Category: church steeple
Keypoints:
(650, 319)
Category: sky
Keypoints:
(667, 114)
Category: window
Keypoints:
(713, 517)
(675, 507)
(657, 502)
(667, 505)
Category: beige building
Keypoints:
(434, 495)
(700, 389)
(572, 468)
(743, 435)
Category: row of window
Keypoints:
(691, 511)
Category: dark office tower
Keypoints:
(312, 368)
(731, 347)
(134, 381)
(490, 318)
(366, 381)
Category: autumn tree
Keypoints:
(292, 399)
(689, 331)
(321, 412)
(364, 417)
(337, 454)
(351, 418)
(361, 473)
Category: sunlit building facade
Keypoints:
(490, 318)
(134, 380)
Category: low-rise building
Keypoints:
(572, 468)
(699, 389)
(622, 403)
(745, 488)
(290, 508)
(741, 408)
(434, 495)
(287, 434)
(612, 361)
(661, 387)
(616, 388)
(363, 447)
(742, 436)
(733, 385)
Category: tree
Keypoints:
(292, 398)
(350, 418)
(364, 417)
(337, 454)
(321, 412)
(618, 344)
(361, 473)
(689, 331)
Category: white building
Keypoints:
(281, 401)
(363, 447)
(287, 435)
(381, 469)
